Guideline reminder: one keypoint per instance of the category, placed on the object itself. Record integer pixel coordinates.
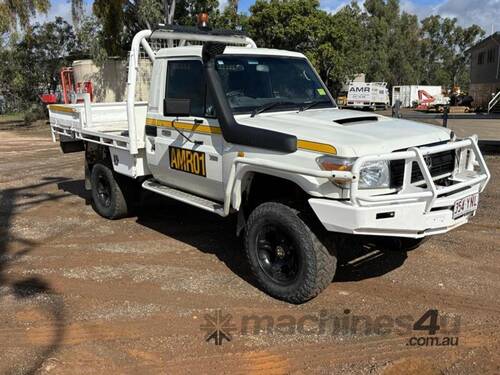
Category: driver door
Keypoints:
(188, 149)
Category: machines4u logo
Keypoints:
(218, 327)
(431, 329)
(431, 323)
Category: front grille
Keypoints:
(442, 163)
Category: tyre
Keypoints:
(108, 198)
(287, 259)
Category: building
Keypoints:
(485, 70)
(109, 80)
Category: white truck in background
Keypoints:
(413, 96)
(368, 95)
(252, 132)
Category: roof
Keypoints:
(191, 51)
(485, 41)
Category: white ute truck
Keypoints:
(239, 130)
(368, 95)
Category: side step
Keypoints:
(193, 200)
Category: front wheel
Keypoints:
(288, 260)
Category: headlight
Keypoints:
(374, 174)
(336, 163)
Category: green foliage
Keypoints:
(443, 50)
(187, 10)
(383, 42)
(150, 12)
(87, 35)
(286, 24)
(12, 117)
(340, 54)
(35, 112)
(120, 19)
(35, 61)
(76, 11)
(111, 17)
(50, 45)
(333, 43)
(392, 40)
(19, 12)
(230, 14)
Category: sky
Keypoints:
(485, 13)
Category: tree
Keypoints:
(87, 34)
(51, 45)
(340, 54)
(76, 11)
(390, 35)
(444, 46)
(110, 14)
(18, 12)
(34, 62)
(120, 19)
(333, 43)
(186, 11)
(230, 17)
(404, 57)
(286, 24)
(169, 11)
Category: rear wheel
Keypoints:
(288, 260)
(108, 197)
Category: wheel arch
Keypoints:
(256, 187)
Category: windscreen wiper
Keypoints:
(269, 106)
(307, 106)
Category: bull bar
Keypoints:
(465, 174)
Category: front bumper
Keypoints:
(414, 211)
(399, 220)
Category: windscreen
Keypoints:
(252, 82)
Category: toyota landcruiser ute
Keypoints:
(251, 132)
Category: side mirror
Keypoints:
(177, 107)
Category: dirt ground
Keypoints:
(83, 295)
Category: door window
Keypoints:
(185, 80)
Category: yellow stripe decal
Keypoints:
(316, 147)
(61, 108)
(205, 129)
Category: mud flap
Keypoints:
(88, 186)
(241, 222)
(69, 145)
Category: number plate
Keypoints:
(465, 205)
(188, 161)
